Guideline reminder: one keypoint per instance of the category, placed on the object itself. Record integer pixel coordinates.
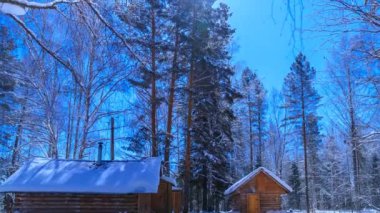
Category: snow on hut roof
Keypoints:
(253, 174)
(169, 180)
(74, 176)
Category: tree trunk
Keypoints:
(304, 138)
(50, 117)
(153, 100)
(69, 130)
(188, 141)
(353, 137)
(84, 144)
(112, 138)
(78, 117)
(205, 206)
(16, 144)
(250, 134)
(87, 102)
(260, 162)
(168, 135)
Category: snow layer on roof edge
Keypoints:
(169, 180)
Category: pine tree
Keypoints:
(247, 77)
(194, 46)
(239, 164)
(176, 40)
(213, 98)
(302, 101)
(259, 112)
(295, 183)
(145, 20)
(255, 94)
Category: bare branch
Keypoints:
(121, 37)
(66, 64)
(369, 17)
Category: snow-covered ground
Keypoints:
(317, 211)
(1, 203)
(327, 211)
(2, 178)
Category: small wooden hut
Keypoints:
(45, 185)
(258, 192)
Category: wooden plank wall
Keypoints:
(177, 201)
(270, 193)
(253, 201)
(243, 203)
(145, 203)
(265, 184)
(270, 202)
(87, 203)
(162, 201)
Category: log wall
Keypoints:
(162, 201)
(177, 201)
(87, 203)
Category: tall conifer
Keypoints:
(302, 101)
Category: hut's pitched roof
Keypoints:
(252, 175)
(73, 176)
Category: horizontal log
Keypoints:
(67, 203)
(74, 206)
(72, 195)
(73, 200)
(82, 205)
(62, 210)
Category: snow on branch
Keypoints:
(39, 5)
(371, 137)
(372, 134)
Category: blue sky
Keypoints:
(264, 42)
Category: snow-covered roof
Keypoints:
(73, 176)
(252, 175)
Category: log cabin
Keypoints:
(258, 192)
(50, 185)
